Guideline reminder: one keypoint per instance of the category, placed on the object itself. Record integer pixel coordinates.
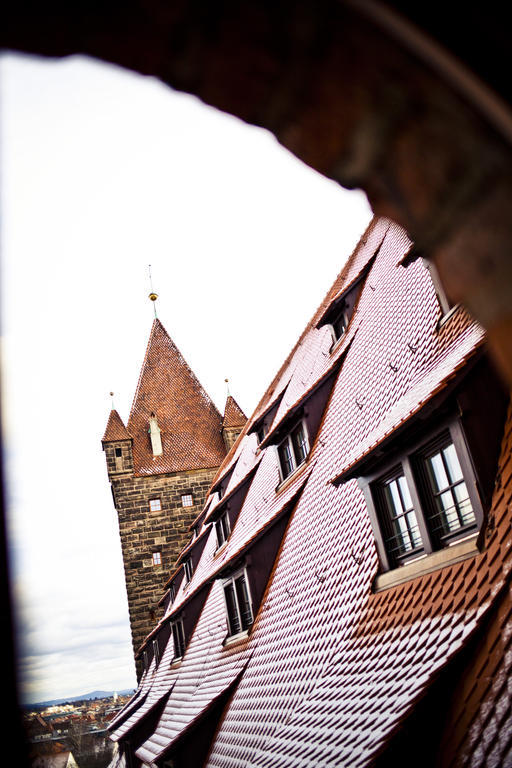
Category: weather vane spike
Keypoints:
(227, 386)
(152, 295)
(112, 396)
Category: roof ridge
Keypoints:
(310, 324)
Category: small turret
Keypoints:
(117, 444)
(233, 422)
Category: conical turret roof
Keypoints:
(115, 429)
(233, 414)
(189, 423)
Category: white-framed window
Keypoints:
(178, 638)
(157, 558)
(293, 449)
(426, 501)
(155, 505)
(222, 529)
(187, 500)
(238, 603)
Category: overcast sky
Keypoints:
(103, 173)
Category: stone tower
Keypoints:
(160, 467)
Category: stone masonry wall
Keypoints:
(230, 436)
(144, 532)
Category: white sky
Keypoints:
(103, 173)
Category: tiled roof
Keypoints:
(115, 429)
(330, 669)
(189, 422)
(233, 414)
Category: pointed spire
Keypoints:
(115, 429)
(233, 414)
(152, 295)
(189, 423)
(233, 422)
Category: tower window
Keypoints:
(119, 452)
(155, 505)
(187, 500)
(157, 558)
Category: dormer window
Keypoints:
(238, 603)
(427, 502)
(262, 431)
(340, 322)
(339, 313)
(222, 529)
(188, 569)
(154, 434)
(293, 449)
(178, 637)
(156, 652)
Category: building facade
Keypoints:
(160, 467)
(344, 598)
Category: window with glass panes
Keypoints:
(400, 526)
(188, 569)
(293, 449)
(222, 529)
(178, 637)
(238, 603)
(452, 510)
(426, 502)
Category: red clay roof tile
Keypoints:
(189, 421)
(115, 429)
(233, 414)
(336, 668)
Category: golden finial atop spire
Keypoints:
(152, 295)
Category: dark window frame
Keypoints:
(156, 653)
(188, 569)
(238, 601)
(410, 462)
(291, 452)
(178, 638)
(222, 529)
